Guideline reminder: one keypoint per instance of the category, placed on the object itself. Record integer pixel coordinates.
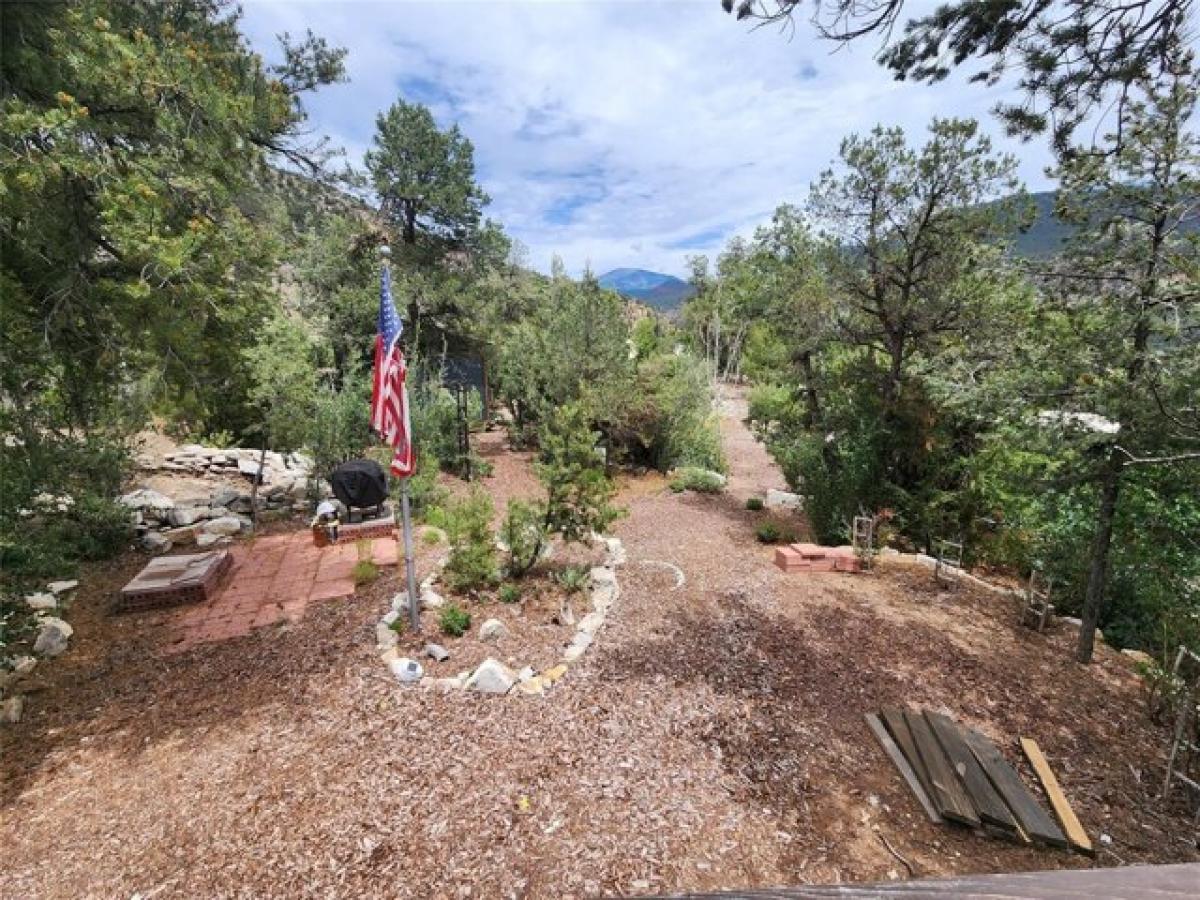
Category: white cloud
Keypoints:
(620, 133)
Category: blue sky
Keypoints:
(618, 132)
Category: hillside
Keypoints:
(664, 293)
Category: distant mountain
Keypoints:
(1048, 234)
(665, 293)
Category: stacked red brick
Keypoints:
(814, 558)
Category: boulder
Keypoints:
(185, 535)
(53, 638)
(155, 542)
(146, 499)
(491, 677)
(784, 500)
(390, 617)
(223, 496)
(407, 671)
(11, 709)
(437, 651)
(61, 587)
(492, 630)
(180, 516)
(206, 541)
(249, 467)
(226, 525)
(431, 599)
(42, 600)
(21, 667)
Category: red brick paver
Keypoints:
(274, 578)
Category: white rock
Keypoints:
(226, 525)
(42, 600)
(431, 599)
(591, 623)
(390, 616)
(250, 467)
(437, 651)
(1138, 656)
(406, 670)
(603, 575)
(390, 655)
(525, 674)
(385, 637)
(147, 499)
(155, 542)
(400, 602)
(205, 541)
(491, 677)
(582, 639)
(783, 500)
(572, 653)
(603, 596)
(10, 710)
(492, 630)
(54, 636)
(61, 587)
(446, 684)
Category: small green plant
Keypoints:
(454, 620)
(699, 480)
(573, 579)
(774, 533)
(509, 593)
(431, 536)
(364, 572)
(400, 625)
(754, 504)
(468, 523)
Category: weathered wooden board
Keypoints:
(1066, 816)
(1174, 882)
(985, 799)
(1033, 820)
(893, 718)
(951, 800)
(906, 770)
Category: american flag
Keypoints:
(389, 397)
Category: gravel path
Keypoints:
(713, 738)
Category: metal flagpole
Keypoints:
(414, 601)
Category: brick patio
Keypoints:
(273, 579)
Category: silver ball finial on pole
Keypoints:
(385, 252)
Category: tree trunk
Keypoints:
(811, 398)
(410, 223)
(1093, 601)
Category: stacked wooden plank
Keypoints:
(959, 776)
(815, 558)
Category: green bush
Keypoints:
(524, 531)
(754, 504)
(364, 572)
(774, 533)
(472, 562)
(509, 593)
(454, 620)
(700, 480)
(768, 533)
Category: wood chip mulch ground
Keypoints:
(713, 737)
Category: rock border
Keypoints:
(492, 676)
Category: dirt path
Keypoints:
(713, 738)
(752, 472)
